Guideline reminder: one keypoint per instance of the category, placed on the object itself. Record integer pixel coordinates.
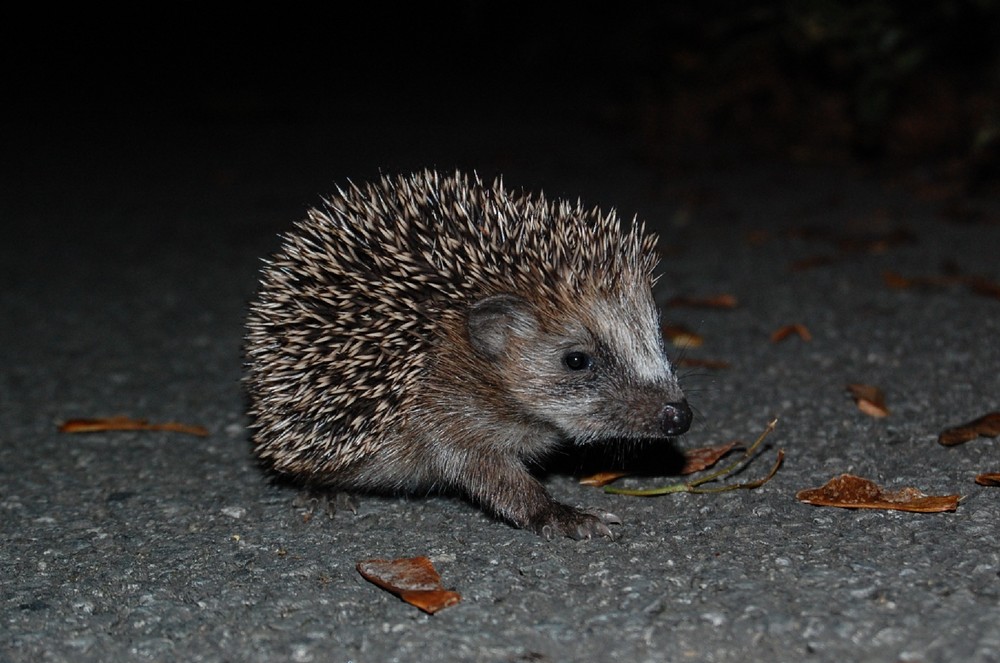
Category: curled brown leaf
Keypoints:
(781, 333)
(983, 286)
(987, 425)
(897, 281)
(696, 460)
(601, 479)
(977, 284)
(126, 423)
(852, 492)
(413, 579)
(682, 337)
(989, 479)
(722, 300)
(694, 362)
(869, 399)
(812, 262)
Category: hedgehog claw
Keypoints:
(596, 526)
(605, 516)
(313, 501)
(578, 524)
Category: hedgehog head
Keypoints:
(556, 305)
(598, 370)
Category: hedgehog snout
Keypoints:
(675, 418)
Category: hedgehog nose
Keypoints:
(675, 418)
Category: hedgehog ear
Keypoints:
(494, 320)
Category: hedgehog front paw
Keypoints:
(563, 520)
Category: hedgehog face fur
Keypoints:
(430, 331)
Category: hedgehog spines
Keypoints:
(351, 308)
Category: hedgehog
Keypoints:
(431, 332)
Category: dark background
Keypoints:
(151, 154)
(815, 80)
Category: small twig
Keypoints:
(749, 485)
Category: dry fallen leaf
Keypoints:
(601, 479)
(979, 285)
(878, 243)
(848, 244)
(812, 262)
(414, 579)
(714, 301)
(852, 492)
(989, 479)
(682, 337)
(987, 425)
(696, 460)
(126, 423)
(897, 281)
(961, 213)
(869, 399)
(982, 286)
(782, 333)
(692, 362)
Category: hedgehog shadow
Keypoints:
(653, 459)
(650, 459)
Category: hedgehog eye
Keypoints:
(577, 361)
